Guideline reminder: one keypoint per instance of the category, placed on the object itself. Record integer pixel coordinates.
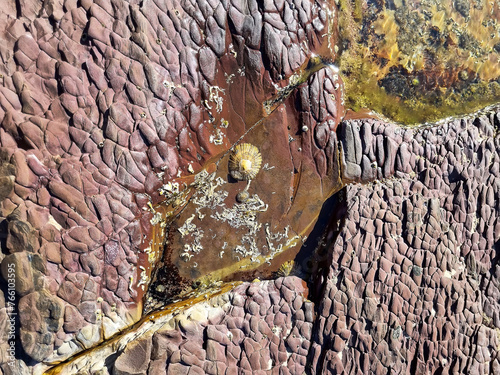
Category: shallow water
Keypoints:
(419, 61)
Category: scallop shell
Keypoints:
(244, 162)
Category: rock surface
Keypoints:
(407, 283)
(103, 102)
(412, 278)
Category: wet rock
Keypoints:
(99, 106)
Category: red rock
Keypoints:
(40, 315)
(176, 58)
(122, 290)
(70, 293)
(75, 245)
(73, 321)
(24, 175)
(69, 260)
(88, 310)
(218, 333)
(52, 252)
(215, 351)
(91, 264)
(177, 369)
(135, 358)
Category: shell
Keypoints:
(244, 162)
(242, 196)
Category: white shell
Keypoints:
(245, 162)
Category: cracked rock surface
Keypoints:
(412, 278)
(104, 102)
(101, 103)
(407, 283)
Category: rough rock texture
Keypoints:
(409, 282)
(266, 329)
(413, 276)
(255, 327)
(101, 102)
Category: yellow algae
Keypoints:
(286, 268)
(420, 61)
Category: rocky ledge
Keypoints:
(405, 279)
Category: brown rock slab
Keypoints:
(18, 267)
(41, 316)
(135, 359)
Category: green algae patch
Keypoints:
(419, 62)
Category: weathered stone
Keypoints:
(21, 237)
(108, 102)
(72, 319)
(135, 359)
(17, 270)
(351, 142)
(41, 316)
